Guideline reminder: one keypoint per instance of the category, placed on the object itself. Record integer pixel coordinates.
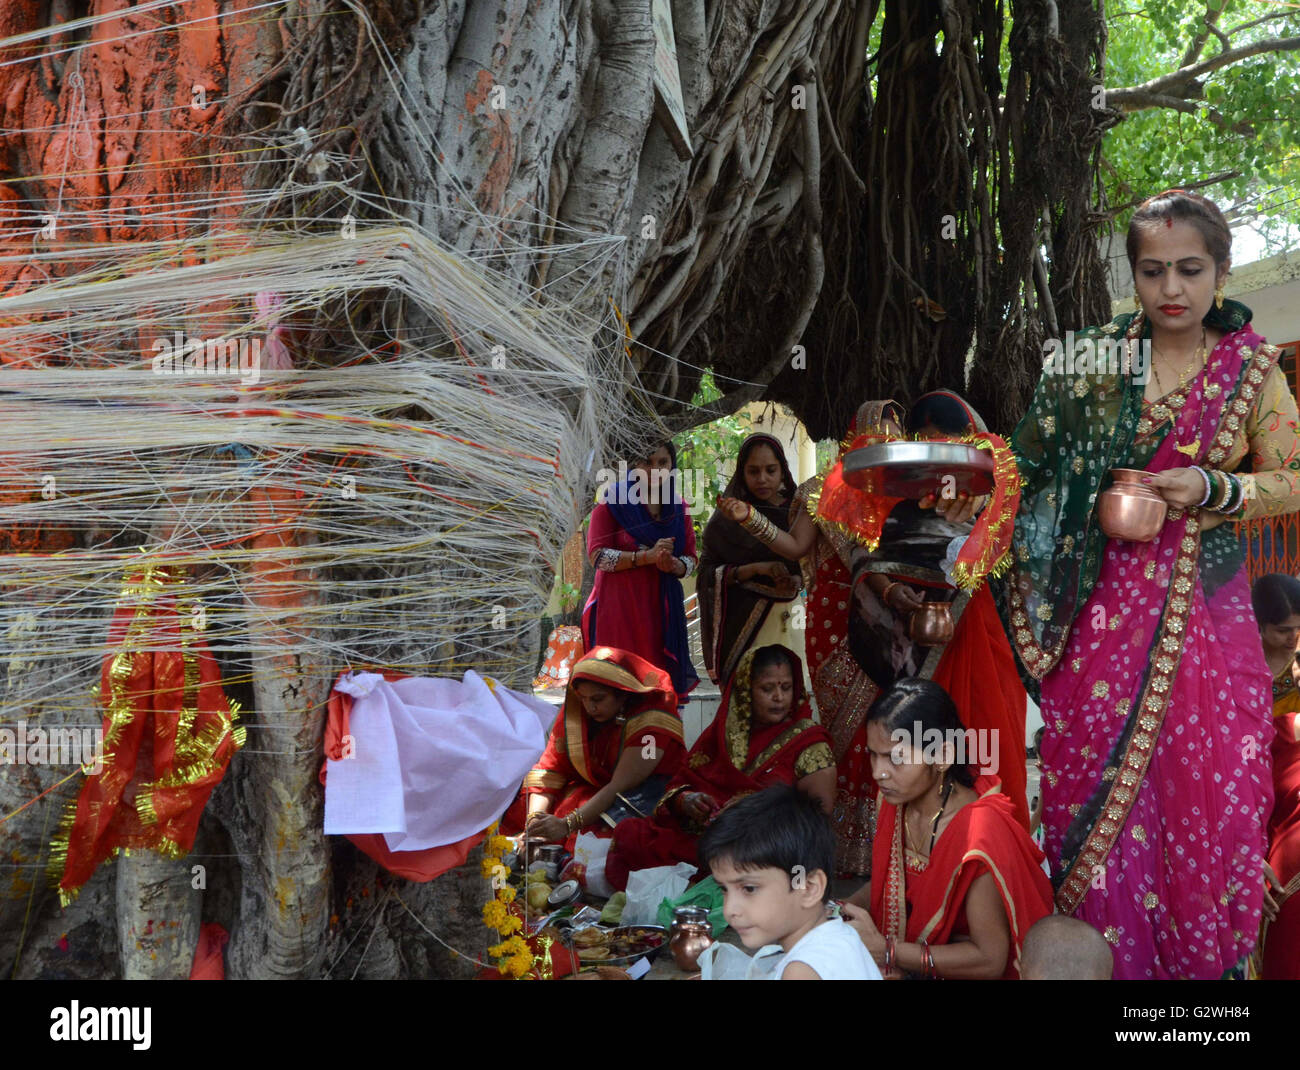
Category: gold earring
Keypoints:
(1218, 297)
(1137, 303)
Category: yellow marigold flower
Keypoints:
(516, 945)
(522, 963)
(509, 968)
(492, 867)
(494, 914)
(509, 925)
(498, 845)
(506, 894)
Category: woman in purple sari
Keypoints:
(1155, 696)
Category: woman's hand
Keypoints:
(698, 806)
(786, 584)
(1178, 486)
(901, 598)
(733, 508)
(860, 919)
(666, 562)
(956, 510)
(772, 570)
(543, 826)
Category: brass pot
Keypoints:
(931, 624)
(689, 936)
(1129, 509)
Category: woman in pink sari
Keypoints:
(1154, 692)
(641, 543)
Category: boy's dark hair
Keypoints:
(777, 828)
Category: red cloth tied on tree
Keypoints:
(862, 516)
(169, 734)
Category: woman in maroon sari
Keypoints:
(1276, 601)
(615, 745)
(763, 734)
(956, 882)
(746, 588)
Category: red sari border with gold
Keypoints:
(915, 900)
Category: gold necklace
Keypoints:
(1201, 365)
(934, 823)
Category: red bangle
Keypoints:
(889, 953)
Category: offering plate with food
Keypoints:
(618, 946)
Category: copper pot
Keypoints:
(1129, 509)
(689, 936)
(931, 624)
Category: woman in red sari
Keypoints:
(615, 745)
(1276, 601)
(641, 542)
(956, 882)
(763, 734)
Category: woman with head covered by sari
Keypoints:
(956, 882)
(613, 748)
(860, 603)
(746, 588)
(641, 543)
(763, 734)
(1154, 690)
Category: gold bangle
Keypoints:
(759, 526)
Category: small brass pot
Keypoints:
(1129, 509)
(931, 624)
(689, 936)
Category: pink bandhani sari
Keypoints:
(1156, 784)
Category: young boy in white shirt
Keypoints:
(772, 853)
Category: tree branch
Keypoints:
(1143, 101)
(1223, 176)
(1213, 12)
(1175, 82)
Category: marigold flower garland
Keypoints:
(514, 957)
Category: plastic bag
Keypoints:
(724, 962)
(647, 888)
(613, 912)
(590, 852)
(706, 894)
